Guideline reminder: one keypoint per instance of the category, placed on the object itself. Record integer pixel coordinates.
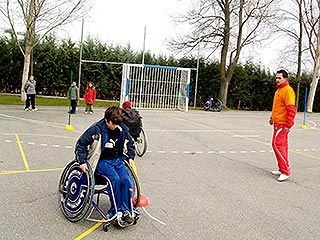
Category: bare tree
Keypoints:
(312, 29)
(291, 24)
(36, 18)
(226, 27)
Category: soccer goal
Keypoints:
(155, 87)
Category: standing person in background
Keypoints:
(282, 119)
(73, 95)
(30, 89)
(89, 97)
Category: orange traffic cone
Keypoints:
(142, 202)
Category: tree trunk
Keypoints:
(298, 75)
(224, 91)
(25, 73)
(313, 85)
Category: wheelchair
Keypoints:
(80, 195)
(141, 143)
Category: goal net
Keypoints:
(155, 87)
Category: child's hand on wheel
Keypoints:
(84, 167)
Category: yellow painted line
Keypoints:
(23, 155)
(29, 171)
(90, 230)
(247, 138)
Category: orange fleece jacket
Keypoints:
(283, 109)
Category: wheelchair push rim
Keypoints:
(76, 190)
(141, 143)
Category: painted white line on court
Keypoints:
(243, 151)
(186, 152)
(68, 147)
(56, 146)
(43, 144)
(306, 150)
(161, 151)
(222, 152)
(247, 136)
(8, 141)
(297, 150)
(198, 152)
(253, 151)
(211, 152)
(262, 151)
(31, 143)
(174, 152)
(233, 152)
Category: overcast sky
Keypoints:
(123, 22)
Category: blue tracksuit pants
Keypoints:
(121, 183)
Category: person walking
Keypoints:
(89, 97)
(30, 89)
(282, 119)
(73, 95)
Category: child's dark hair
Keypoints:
(113, 114)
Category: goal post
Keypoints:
(155, 87)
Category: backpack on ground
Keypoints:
(132, 119)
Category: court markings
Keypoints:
(240, 136)
(46, 123)
(243, 151)
(23, 155)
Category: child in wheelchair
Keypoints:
(115, 145)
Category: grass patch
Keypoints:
(6, 99)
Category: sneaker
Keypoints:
(126, 216)
(35, 109)
(283, 177)
(276, 172)
(85, 113)
(26, 109)
(120, 220)
(91, 113)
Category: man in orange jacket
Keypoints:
(282, 119)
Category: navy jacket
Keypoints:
(100, 129)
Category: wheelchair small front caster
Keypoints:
(105, 227)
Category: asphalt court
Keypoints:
(207, 176)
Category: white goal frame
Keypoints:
(155, 87)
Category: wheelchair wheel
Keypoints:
(76, 190)
(141, 143)
(136, 192)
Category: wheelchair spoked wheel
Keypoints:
(136, 191)
(76, 190)
(141, 143)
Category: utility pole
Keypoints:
(81, 49)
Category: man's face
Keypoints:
(280, 79)
(111, 125)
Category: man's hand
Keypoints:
(84, 167)
(270, 121)
(286, 129)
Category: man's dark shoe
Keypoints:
(126, 216)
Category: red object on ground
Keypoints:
(143, 201)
